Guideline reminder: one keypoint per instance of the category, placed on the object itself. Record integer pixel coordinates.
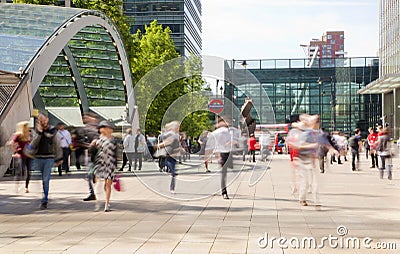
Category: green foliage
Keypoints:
(114, 10)
(153, 48)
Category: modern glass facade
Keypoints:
(388, 83)
(183, 17)
(294, 88)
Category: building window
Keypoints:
(332, 41)
(329, 36)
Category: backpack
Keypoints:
(353, 142)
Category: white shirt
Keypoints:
(65, 138)
(129, 144)
(219, 141)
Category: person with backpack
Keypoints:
(355, 144)
(383, 149)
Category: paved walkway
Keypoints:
(357, 204)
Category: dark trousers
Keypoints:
(125, 160)
(65, 163)
(78, 154)
(27, 162)
(354, 155)
(90, 178)
(22, 168)
(224, 163)
(170, 162)
(374, 159)
(252, 154)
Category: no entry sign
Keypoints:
(216, 106)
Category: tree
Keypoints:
(154, 48)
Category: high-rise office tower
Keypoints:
(183, 17)
(326, 49)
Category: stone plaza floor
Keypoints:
(357, 208)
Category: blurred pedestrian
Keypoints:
(65, 140)
(384, 151)
(20, 142)
(171, 143)
(105, 163)
(220, 141)
(48, 154)
(129, 149)
(301, 138)
(372, 141)
(355, 143)
(251, 144)
(90, 132)
(203, 152)
(139, 149)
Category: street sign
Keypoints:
(216, 106)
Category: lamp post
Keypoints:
(216, 88)
(333, 103)
(321, 94)
(244, 64)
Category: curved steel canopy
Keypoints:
(39, 34)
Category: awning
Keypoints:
(382, 85)
(71, 116)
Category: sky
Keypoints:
(269, 29)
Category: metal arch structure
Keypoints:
(58, 41)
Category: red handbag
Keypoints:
(117, 183)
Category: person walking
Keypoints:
(220, 141)
(265, 141)
(19, 142)
(203, 152)
(48, 154)
(89, 133)
(129, 149)
(139, 149)
(65, 140)
(170, 142)
(372, 141)
(383, 148)
(251, 144)
(355, 144)
(105, 163)
(323, 150)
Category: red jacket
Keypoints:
(373, 140)
(251, 143)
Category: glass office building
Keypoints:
(288, 86)
(183, 17)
